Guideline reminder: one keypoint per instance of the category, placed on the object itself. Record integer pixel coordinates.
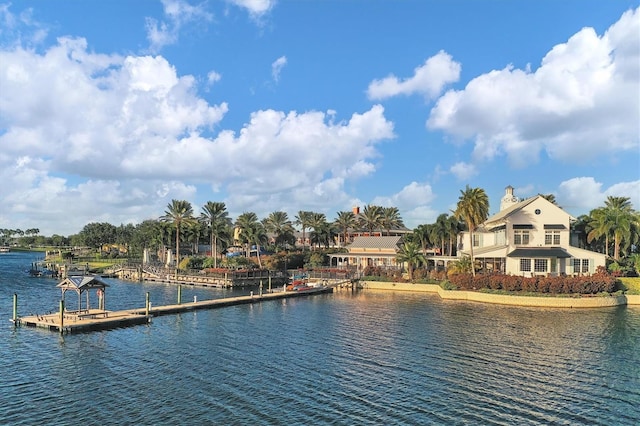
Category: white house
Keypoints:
(528, 237)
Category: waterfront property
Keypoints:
(369, 251)
(529, 237)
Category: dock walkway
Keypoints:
(95, 319)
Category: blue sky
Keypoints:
(109, 110)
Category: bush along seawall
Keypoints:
(589, 291)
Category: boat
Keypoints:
(4, 249)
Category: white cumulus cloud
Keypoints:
(125, 135)
(585, 193)
(581, 103)
(428, 79)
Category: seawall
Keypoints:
(503, 299)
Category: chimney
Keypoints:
(356, 210)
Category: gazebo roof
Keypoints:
(82, 282)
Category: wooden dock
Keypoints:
(95, 319)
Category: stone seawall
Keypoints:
(503, 299)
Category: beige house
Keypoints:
(528, 237)
(369, 251)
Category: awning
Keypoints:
(539, 252)
(529, 226)
(555, 227)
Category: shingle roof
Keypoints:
(386, 242)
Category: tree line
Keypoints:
(613, 229)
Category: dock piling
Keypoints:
(15, 308)
(179, 294)
(61, 316)
(147, 305)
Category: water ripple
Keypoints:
(342, 359)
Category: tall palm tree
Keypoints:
(370, 218)
(600, 225)
(621, 217)
(423, 234)
(391, 219)
(454, 227)
(440, 231)
(179, 212)
(303, 219)
(318, 223)
(345, 221)
(214, 214)
(251, 232)
(245, 224)
(473, 208)
(411, 254)
(279, 224)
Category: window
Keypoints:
(552, 238)
(521, 237)
(476, 240)
(580, 266)
(525, 265)
(540, 265)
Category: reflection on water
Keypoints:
(363, 358)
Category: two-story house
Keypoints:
(528, 237)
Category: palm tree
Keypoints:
(214, 214)
(246, 223)
(440, 231)
(323, 232)
(600, 224)
(279, 224)
(304, 220)
(318, 223)
(193, 232)
(621, 217)
(344, 222)
(370, 218)
(179, 212)
(473, 208)
(423, 234)
(411, 254)
(454, 227)
(391, 219)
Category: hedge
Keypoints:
(585, 284)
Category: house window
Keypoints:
(525, 265)
(552, 238)
(580, 266)
(540, 265)
(521, 237)
(476, 240)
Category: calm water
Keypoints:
(370, 358)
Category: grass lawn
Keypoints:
(631, 284)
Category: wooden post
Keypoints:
(269, 283)
(146, 305)
(61, 316)
(15, 308)
(179, 294)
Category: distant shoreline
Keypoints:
(512, 300)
